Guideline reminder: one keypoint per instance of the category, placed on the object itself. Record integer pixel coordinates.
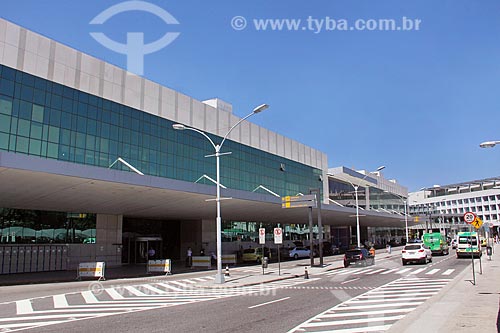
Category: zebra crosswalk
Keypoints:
(376, 310)
(427, 271)
(98, 302)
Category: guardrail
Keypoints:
(229, 259)
(202, 262)
(160, 266)
(91, 269)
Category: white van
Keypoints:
(468, 244)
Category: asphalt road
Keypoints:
(335, 299)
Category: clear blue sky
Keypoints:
(418, 102)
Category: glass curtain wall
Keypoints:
(42, 118)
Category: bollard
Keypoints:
(306, 273)
(227, 271)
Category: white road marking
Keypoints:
(448, 272)
(350, 281)
(433, 271)
(390, 271)
(365, 313)
(24, 306)
(353, 321)
(418, 271)
(262, 304)
(376, 271)
(60, 301)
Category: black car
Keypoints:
(358, 256)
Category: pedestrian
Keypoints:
(189, 258)
(388, 248)
(151, 253)
(372, 251)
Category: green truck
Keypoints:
(436, 242)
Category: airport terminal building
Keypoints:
(66, 118)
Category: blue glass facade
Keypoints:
(42, 118)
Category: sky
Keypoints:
(418, 101)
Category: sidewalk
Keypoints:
(236, 278)
(461, 306)
(111, 273)
(242, 279)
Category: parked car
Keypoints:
(358, 256)
(255, 254)
(416, 252)
(299, 252)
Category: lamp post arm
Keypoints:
(232, 127)
(202, 133)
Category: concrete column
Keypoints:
(191, 236)
(367, 197)
(109, 239)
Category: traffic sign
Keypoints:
(278, 236)
(262, 236)
(469, 217)
(477, 223)
(298, 201)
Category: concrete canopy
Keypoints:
(29, 182)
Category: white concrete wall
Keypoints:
(35, 54)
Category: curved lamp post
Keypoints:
(219, 277)
(357, 207)
(489, 144)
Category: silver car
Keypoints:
(299, 252)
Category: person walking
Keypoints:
(189, 258)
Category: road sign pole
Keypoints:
(279, 262)
(472, 255)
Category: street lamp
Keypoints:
(488, 144)
(219, 277)
(357, 207)
(405, 202)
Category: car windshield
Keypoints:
(353, 252)
(412, 247)
(249, 251)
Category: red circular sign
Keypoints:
(469, 217)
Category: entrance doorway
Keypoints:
(145, 248)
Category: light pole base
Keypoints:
(219, 278)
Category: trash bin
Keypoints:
(265, 262)
(488, 250)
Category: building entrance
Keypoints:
(145, 239)
(146, 248)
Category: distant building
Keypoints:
(443, 207)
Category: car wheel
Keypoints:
(404, 262)
(258, 260)
(295, 256)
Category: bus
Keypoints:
(436, 242)
(468, 244)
